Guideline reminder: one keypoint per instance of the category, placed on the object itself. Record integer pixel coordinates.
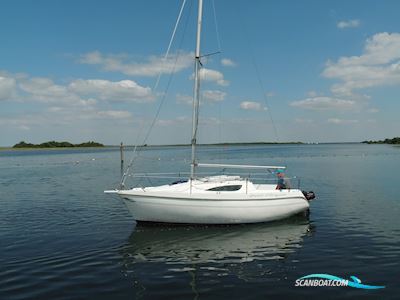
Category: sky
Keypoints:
(310, 71)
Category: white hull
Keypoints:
(215, 199)
(212, 212)
(173, 204)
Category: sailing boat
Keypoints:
(219, 199)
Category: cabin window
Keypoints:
(226, 188)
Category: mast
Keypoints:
(196, 96)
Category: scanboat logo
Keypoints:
(330, 280)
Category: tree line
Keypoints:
(54, 144)
(395, 140)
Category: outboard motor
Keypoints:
(309, 195)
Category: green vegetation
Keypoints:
(393, 141)
(54, 144)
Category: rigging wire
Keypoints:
(269, 110)
(221, 150)
(170, 43)
(216, 26)
(134, 155)
(164, 59)
(258, 75)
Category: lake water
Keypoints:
(62, 238)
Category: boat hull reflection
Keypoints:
(216, 244)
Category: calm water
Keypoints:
(62, 238)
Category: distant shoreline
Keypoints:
(174, 145)
(51, 148)
(393, 141)
(56, 145)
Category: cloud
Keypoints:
(210, 121)
(175, 121)
(373, 110)
(213, 75)
(312, 94)
(184, 121)
(250, 105)
(55, 109)
(214, 95)
(162, 122)
(209, 95)
(25, 121)
(378, 65)
(114, 114)
(92, 113)
(58, 117)
(341, 121)
(75, 115)
(24, 127)
(124, 64)
(348, 24)
(184, 99)
(228, 62)
(44, 90)
(303, 121)
(7, 88)
(81, 93)
(324, 103)
(124, 90)
(92, 58)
